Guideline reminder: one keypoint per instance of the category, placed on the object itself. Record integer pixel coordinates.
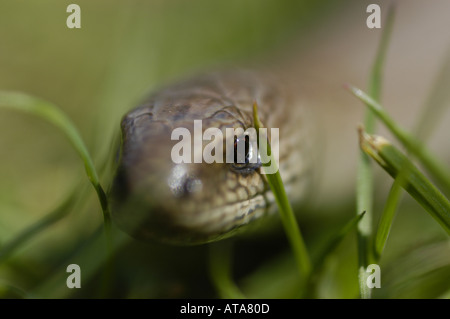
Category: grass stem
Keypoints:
(287, 215)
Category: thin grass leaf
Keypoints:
(220, 270)
(445, 295)
(57, 214)
(336, 239)
(388, 214)
(92, 262)
(438, 170)
(416, 184)
(331, 245)
(364, 189)
(287, 215)
(7, 289)
(408, 274)
(433, 109)
(376, 75)
(50, 112)
(435, 105)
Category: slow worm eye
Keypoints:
(244, 164)
(241, 160)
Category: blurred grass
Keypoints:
(99, 72)
(365, 179)
(291, 227)
(419, 187)
(220, 266)
(96, 74)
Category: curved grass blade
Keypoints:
(416, 184)
(388, 214)
(287, 215)
(408, 275)
(364, 190)
(434, 107)
(7, 289)
(434, 166)
(50, 112)
(336, 240)
(220, 270)
(331, 245)
(58, 213)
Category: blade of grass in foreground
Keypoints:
(416, 184)
(51, 113)
(432, 111)
(364, 189)
(48, 111)
(220, 270)
(438, 170)
(388, 214)
(287, 215)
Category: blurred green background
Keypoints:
(97, 73)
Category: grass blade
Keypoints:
(287, 215)
(388, 214)
(336, 239)
(331, 245)
(434, 166)
(220, 270)
(432, 111)
(51, 113)
(364, 190)
(416, 184)
(61, 211)
(10, 291)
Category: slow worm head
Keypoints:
(153, 198)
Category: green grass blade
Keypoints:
(287, 215)
(364, 202)
(220, 270)
(10, 291)
(439, 171)
(376, 76)
(329, 247)
(336, 239)
(388, 214)
(50, 112)
(416, 184)
(432, 111)
(364, 190)
(61, 211)
(408, 276)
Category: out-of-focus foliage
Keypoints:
(95, 74)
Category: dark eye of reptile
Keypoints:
(248, 164)
(237, 141)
